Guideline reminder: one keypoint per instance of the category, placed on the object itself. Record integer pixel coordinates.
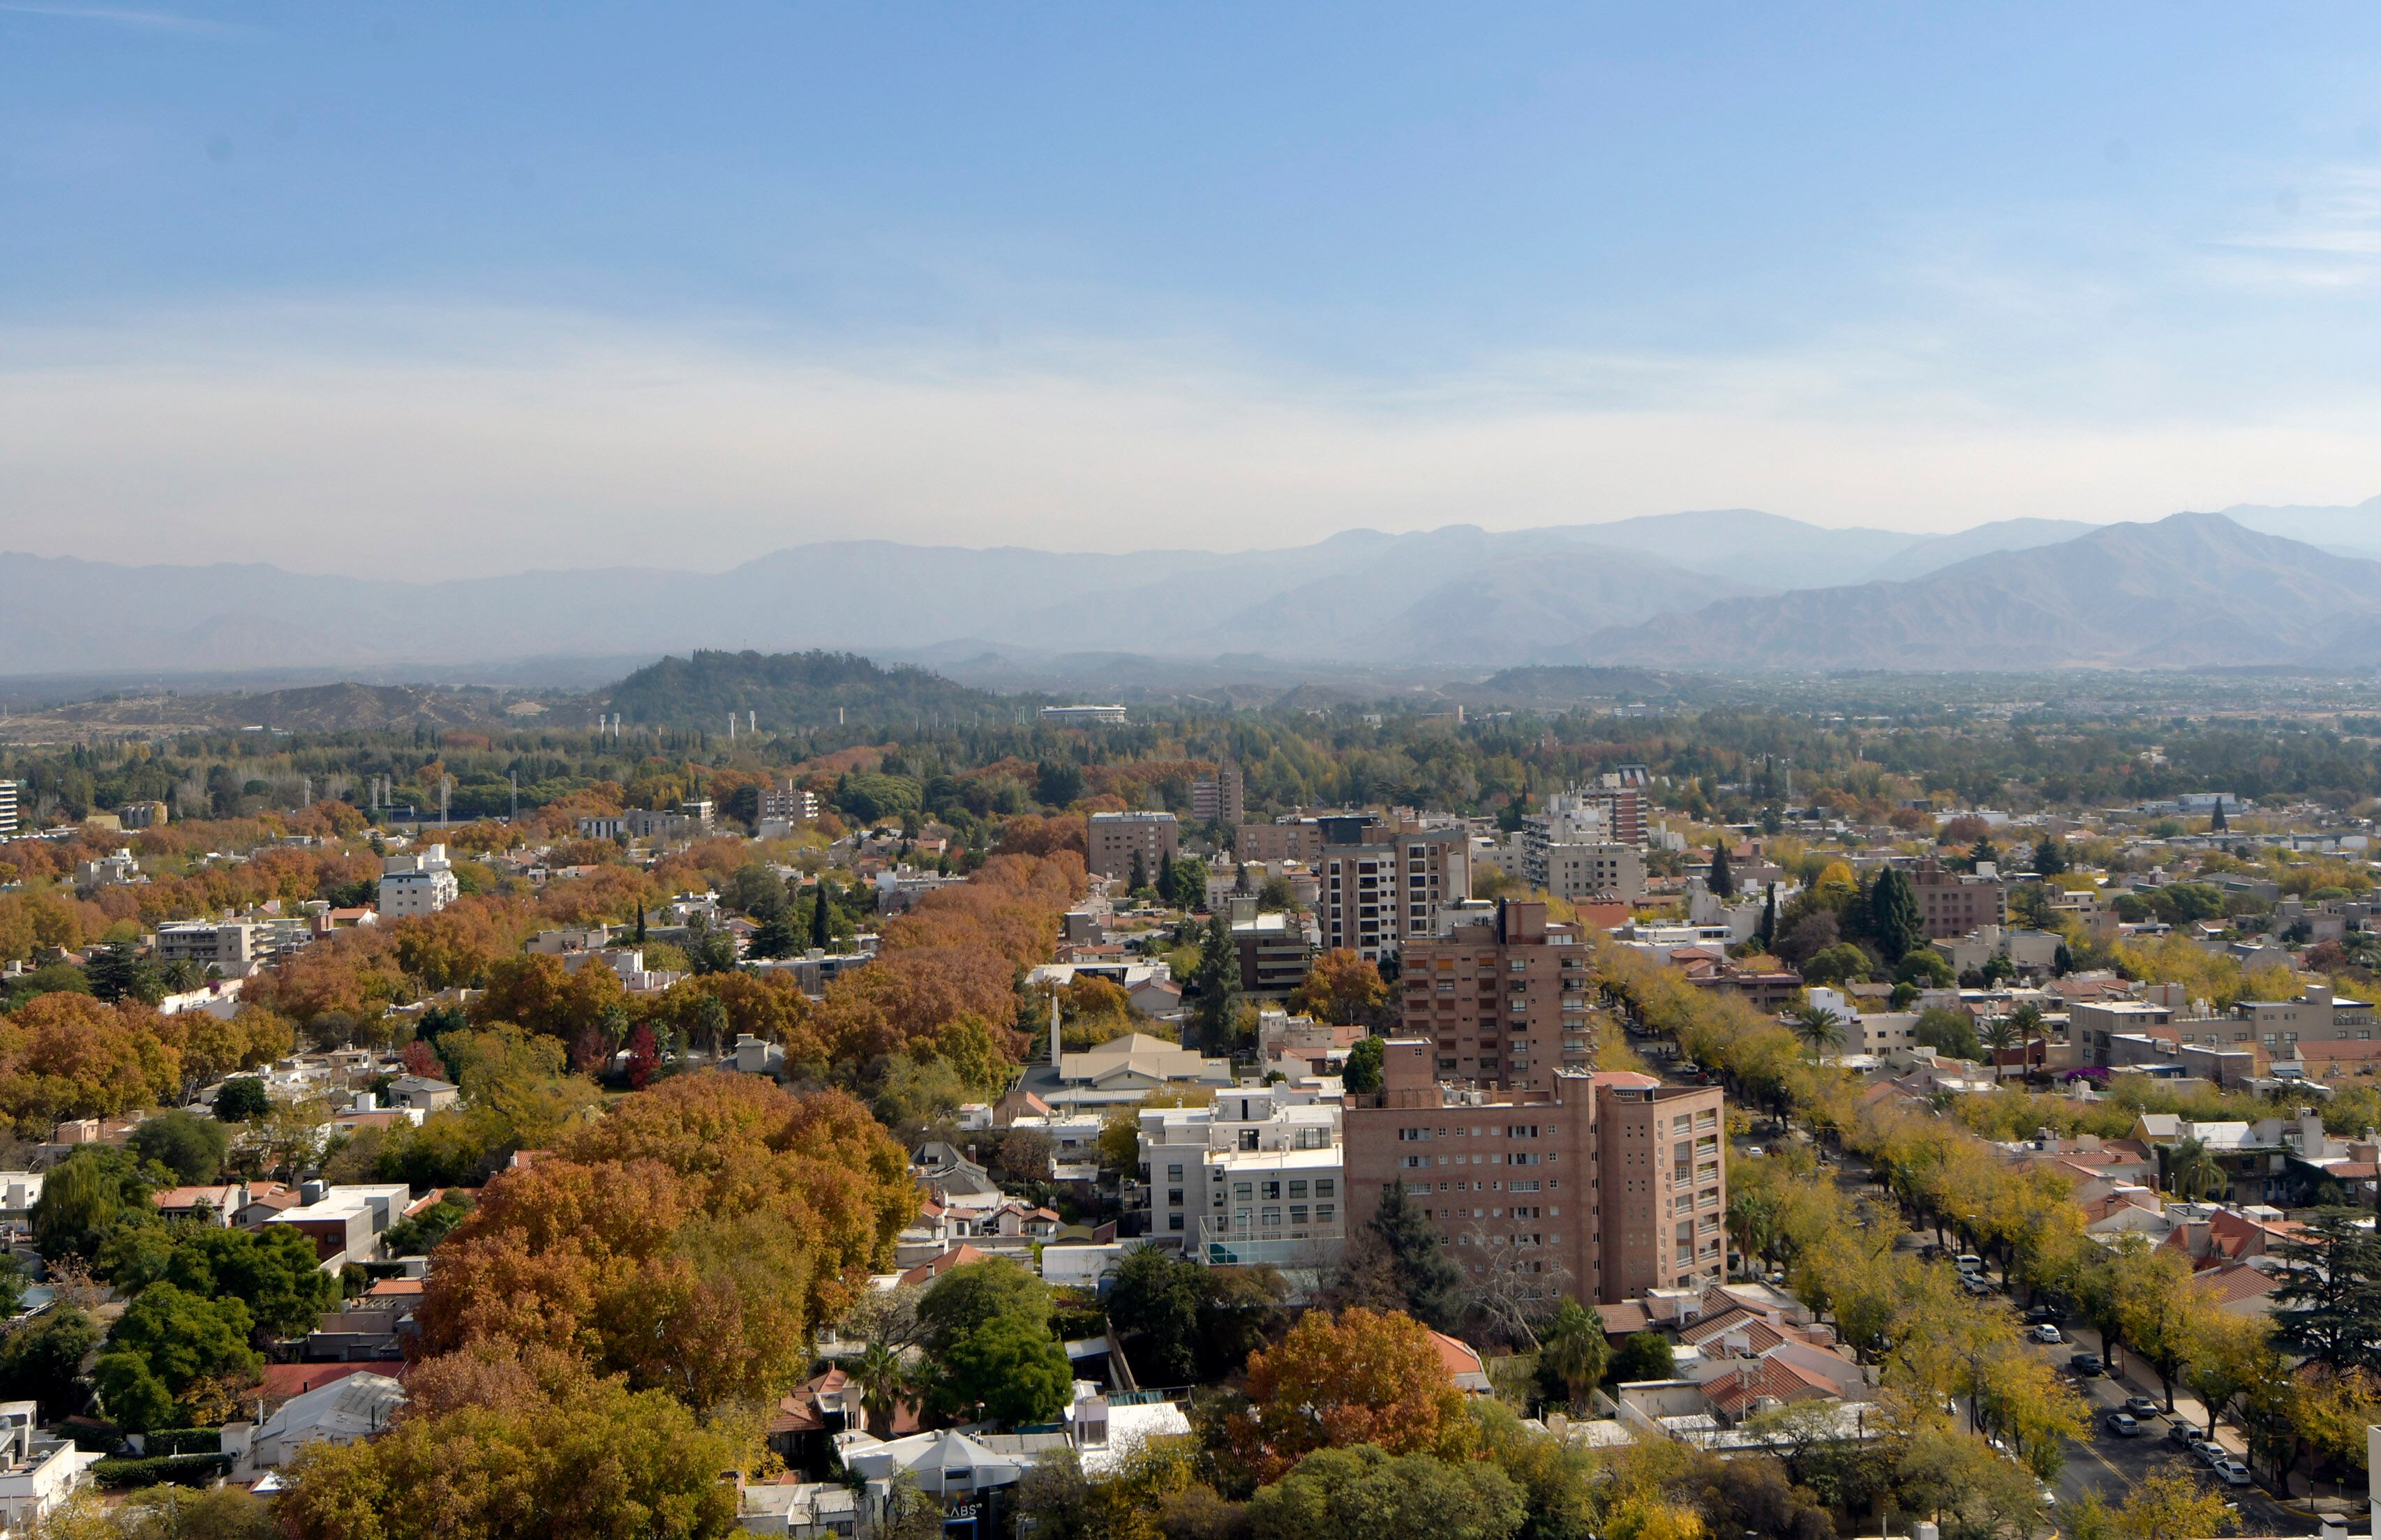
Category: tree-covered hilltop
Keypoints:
(792, 691)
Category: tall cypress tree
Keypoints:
(1722, 881)
(1218, 979)
(1768, 932)
(1140, 877)
(2217, 824)
(1895, 924)
(821, 926)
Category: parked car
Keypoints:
(2123, 1425)
(2141, 1406)
(1968, 1261)
(2233, 1474)
(2043, 1312)
(2183, 1436)
(2211, 1453)
(2086, 1364)
(2044, 1332)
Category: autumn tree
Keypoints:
(1365, 1490)
(1362, 1378)
(1341, 987)
(529, 1447)
(689, 1240)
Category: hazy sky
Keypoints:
(477, 287)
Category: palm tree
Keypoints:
(2000, 1033)
(1572, 1350)
(2192, 1172)
(883, 1379)
(1819, 1028)
(1752, 1223)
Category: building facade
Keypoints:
(1112, 840)
(786, 801)
(1502, 999)
(1598, 1184)
(1219, 797)
(1255, 1176)
(1953, 903)
(417, 882)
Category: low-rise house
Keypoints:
(423, 1093)
(217, 1205)
(347, 1410)
(798, 1509)
(345, 1223)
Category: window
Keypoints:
(1297, 1214)
(1323, 1186)
(1324, 1213)
(1173, 1197)
(1174, 1172)
(1244, 1191)
(1273, 1189)
(1271, 1218)
(1173, 1221)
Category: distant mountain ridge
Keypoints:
(2192, 590)
(1461, 597)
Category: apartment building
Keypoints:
(1381, 890)
(147, 814)
(417, 882)
(2316, 1017)
(1219, 797)
(1953, 903)
(1112, 840)
(1602, 1184)
(788, 802)
(1579, 873)
(1255, 1176)
(11, 794)
(232, 945)
(1502, 998)
(1274, 948)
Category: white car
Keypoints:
(2046, 1332)
(2232, 1473)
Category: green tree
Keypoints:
(1216, 981)
(1894, 921)
(185, 1143)
(2192, 1172)
(775, 937)
(1364, 1490)
(242, 1099)
(1429, 1280)
(1360, 1073)
(2329, 1307)
(1573, 1354)
(1643, 1355)
(181, 1336)
(822, 917)
(883, 1377)
(1138, 881)
(84, 1197)
(120, 972)
(967, 1297)
(1926, 968)
(2049, 856)
(272, 1271)
(39, 1360)
(1948, 1032)
(1010, 1366)
(1722, 881)
(131, 1394)
(1155, 1306)
(1818, 1028)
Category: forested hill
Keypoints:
(786, 692)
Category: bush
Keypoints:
(185, 1143)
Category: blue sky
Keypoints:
(568, 285)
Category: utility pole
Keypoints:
(514, 776)
(445, 784)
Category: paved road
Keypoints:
(2105, 1462)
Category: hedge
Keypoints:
(188, 1470)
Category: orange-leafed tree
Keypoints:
(1342, 986)
(535, 993)
(1366, 1377)
(691, 1239)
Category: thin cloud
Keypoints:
(156, 22)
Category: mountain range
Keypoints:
(1718, 590)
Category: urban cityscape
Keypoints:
(1563, 774)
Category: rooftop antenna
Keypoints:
(514, 776)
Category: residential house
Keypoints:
(347, 1411)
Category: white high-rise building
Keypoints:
(8, 794)
(416, 884)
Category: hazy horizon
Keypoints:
(442, 288)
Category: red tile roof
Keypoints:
(935, 1267)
